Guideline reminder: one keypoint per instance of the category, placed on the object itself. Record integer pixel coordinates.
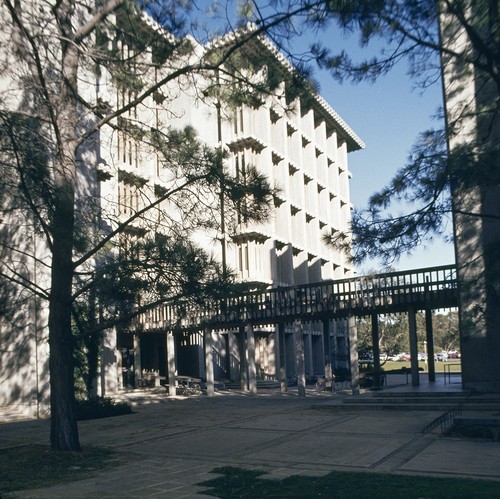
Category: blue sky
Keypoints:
(388, 117)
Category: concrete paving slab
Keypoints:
(337, 450)
(474, 458)
(167, 448)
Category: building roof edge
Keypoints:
(251, 30)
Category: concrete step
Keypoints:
(409, 394)
(422, 406)
(262, 384)
(435, 401)
(451, 401)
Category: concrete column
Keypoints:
(282, 356)
(277, 356)
(376, 349)
(250, 351)
(227, 359)
(412, 322)
(209, 361)
(137, 359)
(308, 353)
(300, 360)
(170, 340)
(243, 359)
(327, 350)
(429, 333)
(111, 372)
(353, 354)
(234, 356)
(334, 344)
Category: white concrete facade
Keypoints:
(471, 100)
(300, 144)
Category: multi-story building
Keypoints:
(293, 137)
(301, 144)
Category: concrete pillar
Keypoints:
(234, 356)
(376, 350)
(353, 354)
(308, 353)
(412, 322)
(227, 358)
(137, 359)
(250, 352)
(334, 344)
(327, 350)
(243, 359)
(111, 372)
(170, 340)
(282, 356)
(277, 355)
(429, 333)
(209, 361)
(300, 360)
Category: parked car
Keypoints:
(421, 356)
(366, 357)
(404, 357)
(441, 356)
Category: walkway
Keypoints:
(420, 289)
(169, 445)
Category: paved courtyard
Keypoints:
(171, 444)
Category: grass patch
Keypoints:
(454, 366)
(33, 466)
(237, 482)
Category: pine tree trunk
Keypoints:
(64, 429)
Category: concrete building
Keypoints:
(293, 137)
(471, 99)
(301, 144)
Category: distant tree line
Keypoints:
(395, 335)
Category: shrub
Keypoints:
(100, 407)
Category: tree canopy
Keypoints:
(104, 264)
(80, 77)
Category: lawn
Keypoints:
(236, 482)
(454, 365)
